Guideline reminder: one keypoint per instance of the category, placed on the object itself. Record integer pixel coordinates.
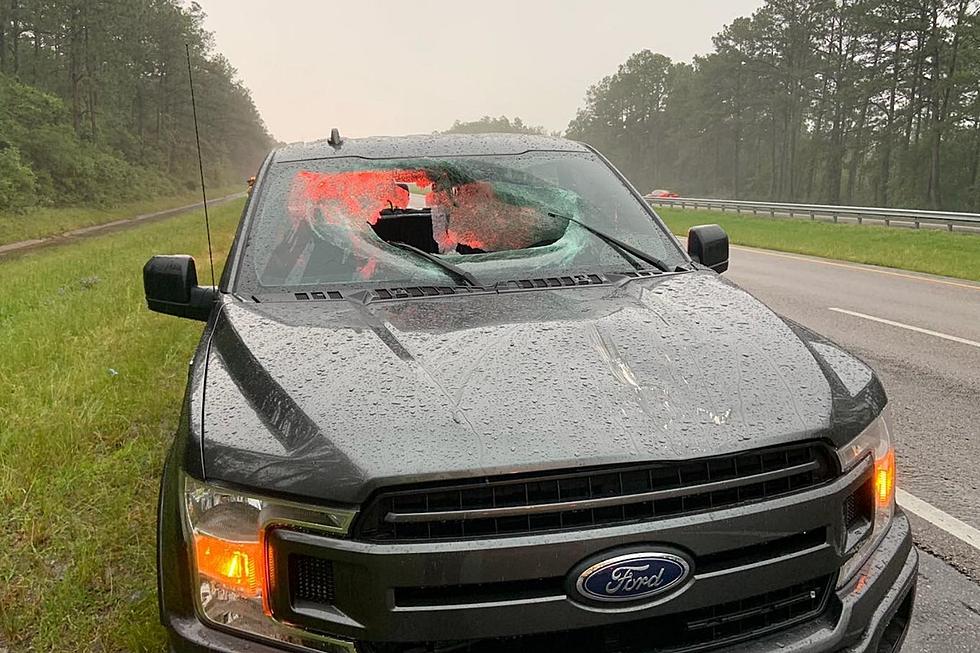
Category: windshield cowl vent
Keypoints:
(426, 291)
(374, 294)
(636, 274)
(554, 282)
(306, 296)
(410, 292)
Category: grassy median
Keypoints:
(922, 250)
(90, 384)
(47, 221)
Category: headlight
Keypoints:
(873, 443)
(226, 532)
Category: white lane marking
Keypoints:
(958, 529)
(937, 334)
(863, 268)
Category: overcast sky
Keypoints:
(373, 67)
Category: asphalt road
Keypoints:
(922, 335)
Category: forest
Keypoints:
(870, 102)
(95, 105)
(831, 101)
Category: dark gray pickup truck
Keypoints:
(467, 394)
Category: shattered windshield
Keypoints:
(367, 221)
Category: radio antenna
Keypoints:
(200, 161)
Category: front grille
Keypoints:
(528, 589)
(697, 630)
(512, 590)
(591, 497)
(859, 507)
(311, 580)
(858, 516)
(755, 553)
(754, 616)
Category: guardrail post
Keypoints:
(813, 215)
(859, 219)
(916, 224)
(950, 226)
(835, 216)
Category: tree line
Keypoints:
(831, 101)
(95, 107)
(499, 125)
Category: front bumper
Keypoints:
(873, 610)
(869, 616)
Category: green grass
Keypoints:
(923, 250)
(90, 388)
(44, 222)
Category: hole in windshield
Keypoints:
(357, 221)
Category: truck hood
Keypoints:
(329, 400)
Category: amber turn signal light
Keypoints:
(236, 565)
(885, 478)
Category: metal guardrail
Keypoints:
(970, 221)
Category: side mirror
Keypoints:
(170, 284)
(708, 245)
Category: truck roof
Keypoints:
(424, 145)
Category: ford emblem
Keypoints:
(632, 577)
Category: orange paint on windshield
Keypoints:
(471, 214)
(342, 197)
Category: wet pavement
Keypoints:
(947, 611)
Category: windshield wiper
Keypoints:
(456, 271)
(621, 248)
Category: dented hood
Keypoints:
(330, 400)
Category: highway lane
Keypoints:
(933, 384)
(946, 618)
